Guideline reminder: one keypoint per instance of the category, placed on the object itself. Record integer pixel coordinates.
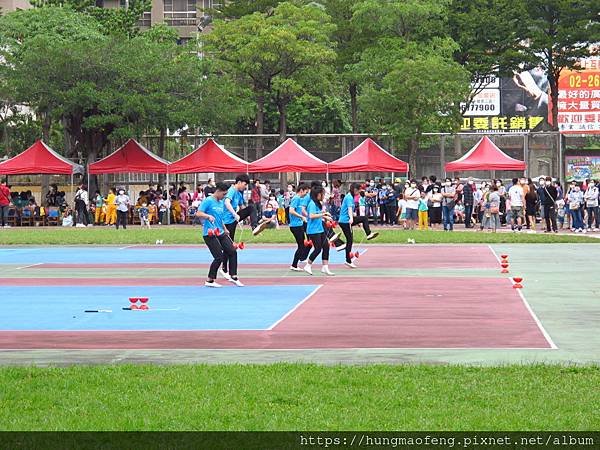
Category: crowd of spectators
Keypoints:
(423, 204)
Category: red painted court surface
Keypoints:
(346, 312)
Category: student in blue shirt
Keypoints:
(331, 235)
(212, 210)
(236, 210)
(298, 221)
(348, 219)
(316, 231)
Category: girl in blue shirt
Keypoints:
(297, 222)
(316, 232)
(348, 219)
(212, 210)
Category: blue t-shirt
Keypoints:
(215, 208)
(296, 204)
(237, 199)
(315, 226)
(348, 202)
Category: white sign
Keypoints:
(486, 103)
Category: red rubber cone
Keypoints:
(517, 282)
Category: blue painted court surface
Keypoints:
(133, 255)
(172, 308)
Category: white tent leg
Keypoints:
(168, 200)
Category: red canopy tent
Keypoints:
(485, 155)
(132, 157)
(288, 157)
(368, 157)
(39, 159)
(209, 157)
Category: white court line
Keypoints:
(295, 308)
(30, 265)
(493, 252)
(537, 321)
(127, 246)
(533, 315)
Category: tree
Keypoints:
(236, 9)
(19, 28)
(488, 34)
(274, 55)
(350, 41)
(414, 88)
(558, 34)
(112, 20)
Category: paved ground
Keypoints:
(560, 285)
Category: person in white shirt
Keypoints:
(82, 200)
(412, 194)
(591, 205)
(516, 195)
(123, 203)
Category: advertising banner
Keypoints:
(581, 168)
(579, 99)
(509, 104)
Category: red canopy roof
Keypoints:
(485, 156)
(39, 159)
(368, 157)
(132, 157)
(288, 157)
(209, 157)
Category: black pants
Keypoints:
(383, 215)
(550, 216)
(82, 216)
(320, 243)
(391, 210)
(468, 216)
(301, 252)
(221, 248)
(122, 219)
(347, 229)
(248, 211)
(3, 211)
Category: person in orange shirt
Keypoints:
(111, 208)
(175, 209)
(152, 212)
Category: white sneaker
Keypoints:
(80, 225)
(260, 228)
(308, 269)
(340, 247)
(595, 229)
(585, 230)
(225, 275)
(580, 230)
(238, 283)
(351, 265)
(334, 237)
(326, 271)
(214, 284)
(296, 269)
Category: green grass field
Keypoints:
(295, 396)
(193, 235)
(300, 397)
